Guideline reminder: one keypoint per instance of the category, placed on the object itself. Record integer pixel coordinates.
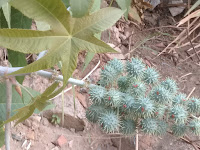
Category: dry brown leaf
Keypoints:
(192, 15)
(18, 89)
(134, 15)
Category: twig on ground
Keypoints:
(185, 75)
(189, 56)
(192, 45)
(191, 93)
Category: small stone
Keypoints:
(171, 144)
(30, 135)
(17, 137)
(70, 144)
(55, 148)
(45, 122)
(61, 141)
(27, 123)
(35, 125)
(36, 118)
(73, 130)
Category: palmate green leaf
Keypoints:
(124, 5)
(3, 22)
(67, 37)
(66, 2)
(39, 102)
(80, 8)
(2, 2)
(16, 100)
(7, 13)
(96, 6)
(18, 59)
(88, 59)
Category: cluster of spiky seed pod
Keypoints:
(132, 96)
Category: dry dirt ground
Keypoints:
(81, 135)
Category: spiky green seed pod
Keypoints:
(178, 114)
(179, 99)
(108, 76)
(194, 105)
(113, 98)
(160, 111)
(160, 95)
(97, 94)
(151, 76)
(179, 129)
(94, 112)
(137, 89)
(128, 126)
(153, 126)
(127, 103)
(144, 107)
(109, 121)
(123, 83)
(117, 65)
(135, 68)
(195, 126)
(162, 127)
(170, 85)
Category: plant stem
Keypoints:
(7, 70)
(63, 114)
(136, 140)
(111, 3)
(8, 111)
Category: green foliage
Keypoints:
(66, 38)
(133, 96)
(17, 59)
(124, 5)
(193, 7)
(55, 119)
(88, 59)
(17, 101)
(2, 137)
(80, 8)
(3, 2)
